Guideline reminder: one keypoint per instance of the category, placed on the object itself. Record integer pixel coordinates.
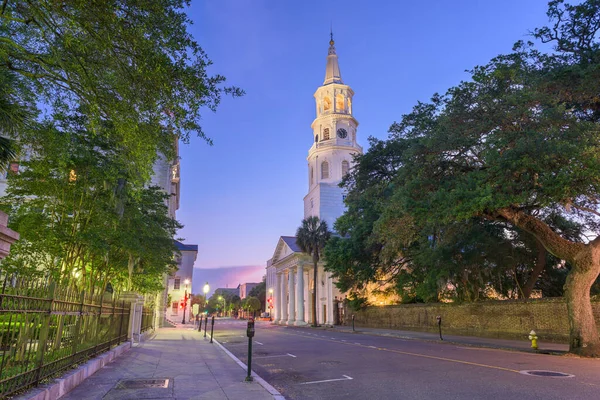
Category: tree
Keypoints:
(312, 236)
(260, 292)
(131, 64)
(252, 304)
(518, 142)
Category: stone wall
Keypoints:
(510, 319)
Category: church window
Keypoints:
(349, 105)
(312, 203)
(325, 170)
(339, 103)
(312, 174)
(316, 138)
(326, 134)
(326, 104)
(345, 168)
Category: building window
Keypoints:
(326, 134)
(312, 203)
(177, 284)
(345, 168)
(325, 170)
(316, 138)
(339, 103)
(174, 307)
(312, 174)
(326, 104)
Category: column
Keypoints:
(300, 296)
(292, 302)
(330, 309)
(284, 302)
(278, 298)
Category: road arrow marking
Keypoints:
(345, 378)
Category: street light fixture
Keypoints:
(206, 289)
(271, 304)
(185, 299)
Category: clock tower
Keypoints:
(334, 143)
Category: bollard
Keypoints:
(353, 323)
(200, 326)
(205, 325)
(212, 327)
(533, 337)
(439, 321)
(250, 334)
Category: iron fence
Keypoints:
(45, 329)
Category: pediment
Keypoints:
(286, 246)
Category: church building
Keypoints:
(290, 281)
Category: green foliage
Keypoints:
(260, 292)
(252, 304)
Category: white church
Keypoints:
(290, 272)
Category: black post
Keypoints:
(250, 334)
(205, 325)
(212, 327)
(439, 321)
(353, 323)
(200, 325)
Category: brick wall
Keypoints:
(511, 319)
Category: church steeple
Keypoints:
(332, 71)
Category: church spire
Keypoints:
(332, 71)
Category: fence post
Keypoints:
(44, 330)
(76, 337)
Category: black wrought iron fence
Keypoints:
(147, 319)
(45, 329)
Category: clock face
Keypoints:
(342, 133)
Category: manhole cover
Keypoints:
(143, 384)
(551, 374)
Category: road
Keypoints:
(307, 363)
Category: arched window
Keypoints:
(324, 170)
(339, 103)
(326, 104)
(345, 168)
(326, 134)
(316, 138)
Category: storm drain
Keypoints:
(143, 384)
(549, 374)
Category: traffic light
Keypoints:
(181, 304)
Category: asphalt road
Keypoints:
(307, 363)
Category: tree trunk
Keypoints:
(314, 296)
(583, 331)
(585, 268)
(540, 265)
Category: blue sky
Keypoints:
(239, 195)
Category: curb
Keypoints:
(63, 385)
(274, 392)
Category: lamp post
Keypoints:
(206, 289)
(187, 282)
(271, 304)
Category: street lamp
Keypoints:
(271, 304)
(185, 299)
(206, 289)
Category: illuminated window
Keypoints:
(325, 170)
(339, 103)
(326, 134)
(326, 104)
(345, 167)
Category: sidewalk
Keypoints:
(195, 368)
(518, 345)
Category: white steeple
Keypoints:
(334, 144)
(332, 71)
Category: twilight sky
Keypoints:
(241, 194)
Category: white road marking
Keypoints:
(343, 340)
(258, 343)
(280, 355)
(373, 347)
(356, 343)
(291, 355)
(345, 378)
